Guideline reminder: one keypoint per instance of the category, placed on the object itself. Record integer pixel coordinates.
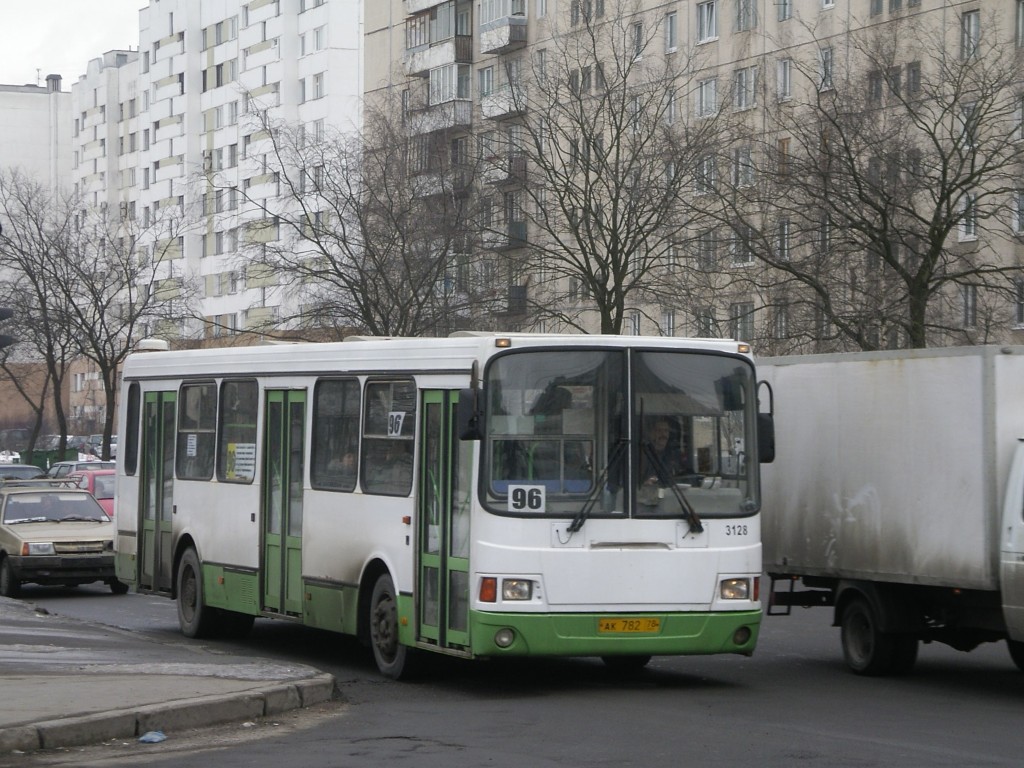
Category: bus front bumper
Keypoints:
(594, 634)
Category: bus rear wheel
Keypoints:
(626, 664)
(195, 617)
(393, 658)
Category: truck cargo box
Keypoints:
(890, 465)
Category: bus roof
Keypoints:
(457, 352)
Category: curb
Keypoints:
(192, 713)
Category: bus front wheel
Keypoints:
(195, 617)
(391, 656)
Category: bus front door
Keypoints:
(283, 472)
(157, 498)
(443, 525)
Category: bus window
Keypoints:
(236, 440)
(130, 449)
(389, 425)
(197, 424)
(335, 437)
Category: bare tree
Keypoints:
(884, 204)
(366, 233)
(594, 159)
(85, 283)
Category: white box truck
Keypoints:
(897, 498)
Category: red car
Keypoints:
(100, 483)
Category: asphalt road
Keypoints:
(792, 703)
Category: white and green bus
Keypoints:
(481, 495)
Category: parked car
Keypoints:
(54, 533)
(64, 468)
(98, 482)
(96, 445)
(20, 471)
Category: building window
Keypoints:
(638, 40)
(782, 244)
(707, 21)
(780, 321)
(486, 81)
(876, 7)
(707, 249)
(825, 64)
(668, 322)
(746, 15)
(705, 176)
(970, 33)
(969, 218)
(785, 9)
(828, 3)
(1018, 211)
(743, 167)
(707, 97)
(1020, 24)
(784, 77)
(741, 321)
(319, 85)
(969, 297)
(1018, 302)
(913, 78)
(745, 86)
(671, 39)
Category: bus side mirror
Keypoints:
(469, 418)
(766, 438)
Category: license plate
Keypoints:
(641, 624)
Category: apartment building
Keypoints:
(772, 74)
(172, 136)
(35, 124)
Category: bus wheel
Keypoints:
(195, 618)
(118, 587)
(391, 656)
(626, 663)
(1016, 652)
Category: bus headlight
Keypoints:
(516, 589)
(734, 589)
(38, 548)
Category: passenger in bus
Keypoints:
(391, 470)
(661, 452)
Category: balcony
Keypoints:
(416, 6)
(456, 113)
(503, 35)
(513, 235)
(506, 101)
(455, 50)
(510, 169)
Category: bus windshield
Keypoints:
(641, 433)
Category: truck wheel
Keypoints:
(195, 618)
(9, 585)
(391, 656)
(1016, 648)
(867, 650)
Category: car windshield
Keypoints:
(52, 507)
(20, 472)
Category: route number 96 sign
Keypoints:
(527, 498)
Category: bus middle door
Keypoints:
(283, 473)
(443, 527)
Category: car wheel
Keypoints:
(195, 617)
(9, 584)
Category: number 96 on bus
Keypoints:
(527, 498)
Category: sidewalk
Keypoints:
(67, 683)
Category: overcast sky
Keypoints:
(43, 37)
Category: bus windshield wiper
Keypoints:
(602, 481)
(662, 473)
